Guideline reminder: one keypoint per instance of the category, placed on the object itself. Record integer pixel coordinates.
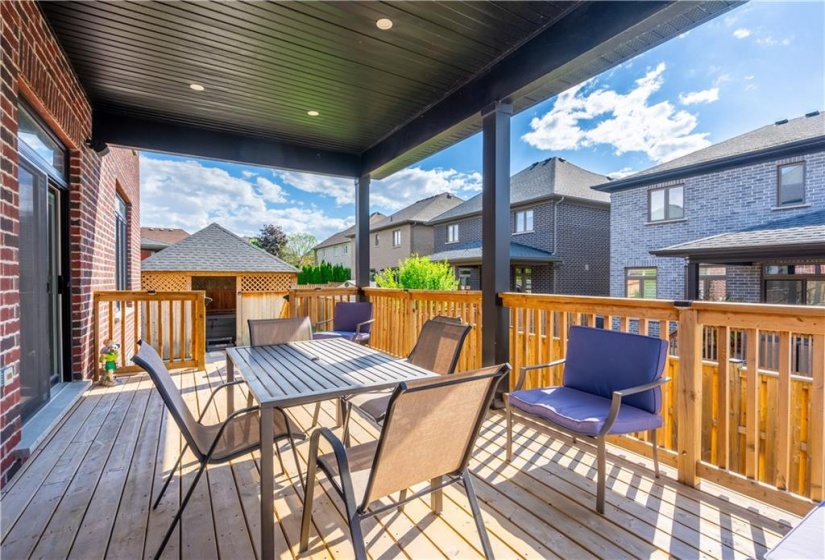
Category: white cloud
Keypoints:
(390, 194)
(742, 33)
(623, 172)
(190, 195)
(247, 174)
(772, 42)
(272, 192)
(627, 122)
(705, 96)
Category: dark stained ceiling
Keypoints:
(386, 98)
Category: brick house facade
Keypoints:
(36, 77)
(739, 198)
(565, 248)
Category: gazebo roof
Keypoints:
(386, 98)
(214, 249)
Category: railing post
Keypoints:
(199, 329)
(96, 344)
(689, 395)
(817, 420)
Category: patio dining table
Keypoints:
(305, 372)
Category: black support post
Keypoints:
(692, 281)
(362, 234)
(495, 244)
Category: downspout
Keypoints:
(556, 237)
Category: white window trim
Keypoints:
(457, 234)
(524, 213)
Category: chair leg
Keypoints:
(180, 510)
(171, 475)
(655, 452)
(309, 490)
(355, 530)
(482, 530)
(508, 413)
(437, 496)
(345, 422)
(316, 415)
(280, 459)
(600, 460)
(401, 497)
(297, 463)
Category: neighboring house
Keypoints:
(743, 220)
(560, 239)
(70, 226)
(339, 248)
(407, 232)
(154, 239)
(242, 281)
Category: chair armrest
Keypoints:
(345, 488)
(215, 392)
(616, 402)
(359, 325)
(319, 323)
(525, 369)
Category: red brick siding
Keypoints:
(34, 68)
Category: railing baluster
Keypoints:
(752, 404)
(816, 441)
(783, 413)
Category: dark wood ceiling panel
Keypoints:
(386, 98)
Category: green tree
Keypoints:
(298, 249)
(271, 239)
(418, 273)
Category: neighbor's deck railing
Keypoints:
(756, 430)
(172, 322)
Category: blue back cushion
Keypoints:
(349, 314)
(600, 362)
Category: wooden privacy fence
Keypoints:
(256, 305)
(172, 322)
(755, 429)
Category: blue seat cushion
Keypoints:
(349, 335)
(600, 362)
(580, 412)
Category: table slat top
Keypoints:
(314, 370)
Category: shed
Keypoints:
(242, 281)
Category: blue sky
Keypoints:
(757, 64)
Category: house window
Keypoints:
(640, 283)
(121, 252)
(799, 284)
(523, 279)
(713, 283)
(452, 233)
(346, 249)
(376, 240)
(396, 238)
(464, 275)
(667, 204)
(791, 184)
(524, 221)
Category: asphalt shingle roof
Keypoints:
(806, 229)
(553, 176)
(421, 211)
(807, 128)
(214, 249)
(472, 251)
(344, 235)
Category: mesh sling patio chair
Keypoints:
(612, 385)
(350, 320)
(238, 435)
(437, 349)
(413, 448)
(264, 332)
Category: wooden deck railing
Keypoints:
(172, 322)
(758, 430)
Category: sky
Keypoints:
(757, 64)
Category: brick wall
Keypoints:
(34, 69)
(584, 245)
(715, 203)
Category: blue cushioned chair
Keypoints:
(612, 385)
(351, 320)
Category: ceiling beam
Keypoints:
(162, 136)
(588, 27)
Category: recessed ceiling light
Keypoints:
(383, 24)
(197, 87)
(313, 113)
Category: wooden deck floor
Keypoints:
(87, 493)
